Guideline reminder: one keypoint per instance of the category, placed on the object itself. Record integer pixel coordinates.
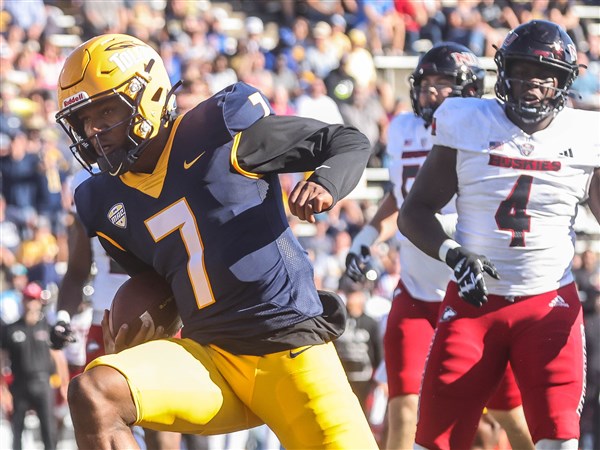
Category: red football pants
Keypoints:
(542, 337)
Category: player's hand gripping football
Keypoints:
(61, 335)
(468, 270)
(307, 199)
(121, 342)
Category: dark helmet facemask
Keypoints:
(534, 111)
(89, 151)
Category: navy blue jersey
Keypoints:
(210, 219)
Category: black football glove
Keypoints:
(360, 268)
(468, 270)
(61, 335)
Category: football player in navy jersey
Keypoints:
(197, 199)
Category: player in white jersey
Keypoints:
(447, 70)
(519, 166)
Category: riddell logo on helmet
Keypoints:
(75, 98)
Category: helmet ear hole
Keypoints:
(157, 95)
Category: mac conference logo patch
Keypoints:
(117, 215)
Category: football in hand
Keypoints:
(146, 297)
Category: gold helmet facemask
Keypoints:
(109, 66)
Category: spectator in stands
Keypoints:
(339, 39)
(360, 64)
(586, 87)
(256, 74)
(365, 113)
(199, 49)
(434, 28)
(593, 52)
(359, 347)
(25, 344)
(14, 281)
(322, 57)
(221, 74)
(563, 13)
(284, 76)
(47, 64)
(103, 17)
(587, 275)
(29, 16)
(320, 10)
(11, 239)
(497, 18)
(21, 183)
(536, 9)
(385, 26)
(315, 103)
(39, 254)
(340, 84)
(465, 26)
(414, 14)
(330, 267)
(54, 168)
(590, 415)
(281, 101)
(173, 60)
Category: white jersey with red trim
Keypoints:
(518, 194)
(107, 280)
(409, 143)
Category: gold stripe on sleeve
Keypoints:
(234, 161)
(112, 241)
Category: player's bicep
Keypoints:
(594, 194)
(436, 181)
(80, 250)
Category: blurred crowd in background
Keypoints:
(312, 58)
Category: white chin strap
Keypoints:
(557, 444)
(117, 170)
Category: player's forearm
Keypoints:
(420, 225)
(345, 155)
(70, 295)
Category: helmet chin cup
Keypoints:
(426, 113)
(530, 114)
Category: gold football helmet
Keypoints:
(104, 67)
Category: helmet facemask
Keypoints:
(531, 112)
(88, 150)
(426, 112)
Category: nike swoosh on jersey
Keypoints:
(187, 165)
(323, 167)
(293, 354)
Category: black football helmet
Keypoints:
(544, 43)
(455, 60)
